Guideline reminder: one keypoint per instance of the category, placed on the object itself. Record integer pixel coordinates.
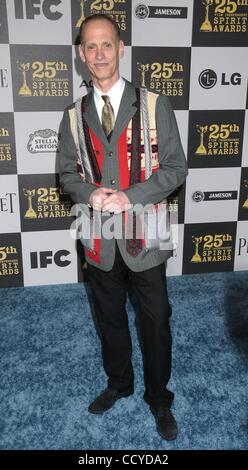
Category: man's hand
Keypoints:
(116, 203)
(98, 196)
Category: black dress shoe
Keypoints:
(106, 400)
(166, 423)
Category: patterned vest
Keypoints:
(140, 137)
(137, 150)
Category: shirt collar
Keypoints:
(114, 92)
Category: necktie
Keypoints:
(108, 116)
(134, 244)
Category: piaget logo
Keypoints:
(7, 201)
(243, 246)
(212, 248)
(218, 139)
(163, 77)
(43, 141)
(4, 78)
(46, 203)
(9, 263)
(224, 16)
(45, 78)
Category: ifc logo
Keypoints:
(198, 196)
(207, 78)
(141, 11)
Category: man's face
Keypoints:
(101, 50)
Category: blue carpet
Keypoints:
(51, 370)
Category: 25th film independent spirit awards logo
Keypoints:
(11, 272)
(43, 204)
(215, 138)
(209, 247)
(7, 144)
(119, 10)
(163, 70)
(220, 22)
(42, 77)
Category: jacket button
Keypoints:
(112, 181)
(110, 153)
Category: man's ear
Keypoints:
(121, 49)
(81, 53)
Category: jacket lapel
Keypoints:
(91, 117)
(126, 110)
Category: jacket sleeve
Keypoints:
(173, 167)
(70, 180)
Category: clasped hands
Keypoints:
(109, 200)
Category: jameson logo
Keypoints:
(5, 145)
(162, 77)
(199, 196)
(46, 203)
(218, 139)
(143, 11)
(43, 141)
(9, 263)
(212, 248)
(43, 79)
(224, 16)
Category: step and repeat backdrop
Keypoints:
(195, 52)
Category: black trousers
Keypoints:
(109, 290)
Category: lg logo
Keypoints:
(86, 84)
(208, 78)
(33, 8)
(44, 258)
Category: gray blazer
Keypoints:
(170, 175)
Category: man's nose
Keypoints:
(99, 53)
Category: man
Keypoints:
(104, 164)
